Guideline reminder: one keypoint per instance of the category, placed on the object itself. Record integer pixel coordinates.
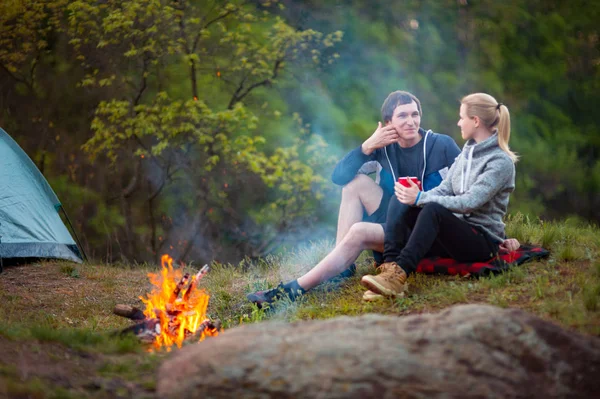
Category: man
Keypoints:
(398, 148)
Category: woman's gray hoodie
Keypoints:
(477, 186)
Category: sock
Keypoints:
(293, 289)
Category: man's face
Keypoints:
(407, 119)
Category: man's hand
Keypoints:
(509, 245)
(406, 195)
(384, 135)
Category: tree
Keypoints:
(201, 144)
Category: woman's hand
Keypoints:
(509, 245)
(407, 195)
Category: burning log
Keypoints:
(205, 269)
(146, 330)
(172, 310)
(182, 283)
(130, 312)
(206, 326)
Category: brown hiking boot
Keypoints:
(391, 280)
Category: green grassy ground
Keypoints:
(56, 317)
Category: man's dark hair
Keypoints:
(397, 98)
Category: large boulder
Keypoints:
(464, 351)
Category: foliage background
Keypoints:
(209, 129)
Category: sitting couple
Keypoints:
(458, 214)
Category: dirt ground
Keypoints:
(33, 368)
(53, 298)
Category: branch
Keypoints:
(222, 16)
(239, 7)
(153, 157)
(127, 191)
(237, 98)
(162, 184)
(33, 68)
(212, 21)
(20, 80)
(182, 34)
(133, 183)
(234, 98)
(144, 81)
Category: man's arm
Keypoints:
(348, 167)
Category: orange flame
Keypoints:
(179, 305)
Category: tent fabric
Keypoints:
(30, 226)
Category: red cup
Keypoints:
(404, 181)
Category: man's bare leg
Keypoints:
(360, 236)
(353, 237)
(361, 194)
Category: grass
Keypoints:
(55, 314)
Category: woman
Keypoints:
(462, 217)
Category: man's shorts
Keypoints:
(379, 217)
(380, 214)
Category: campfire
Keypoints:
(175, 309)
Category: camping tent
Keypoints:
(30, 226)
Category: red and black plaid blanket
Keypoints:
(525, 253)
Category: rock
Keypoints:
(464, 351)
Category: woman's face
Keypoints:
(467, 125)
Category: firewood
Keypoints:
(204, 326)
(130, 312)
(205, 269)
(146, 330)
(216, 324)
(173, 312)
(173, 326)
(186, 295)
(196, 336)
(182, 283)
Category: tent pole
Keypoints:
(85, 258)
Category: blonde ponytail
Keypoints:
(493, 115)
(504, 132)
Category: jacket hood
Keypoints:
(487, 145)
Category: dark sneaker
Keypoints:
(266, 297)
(290, 290)
(349, 272)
